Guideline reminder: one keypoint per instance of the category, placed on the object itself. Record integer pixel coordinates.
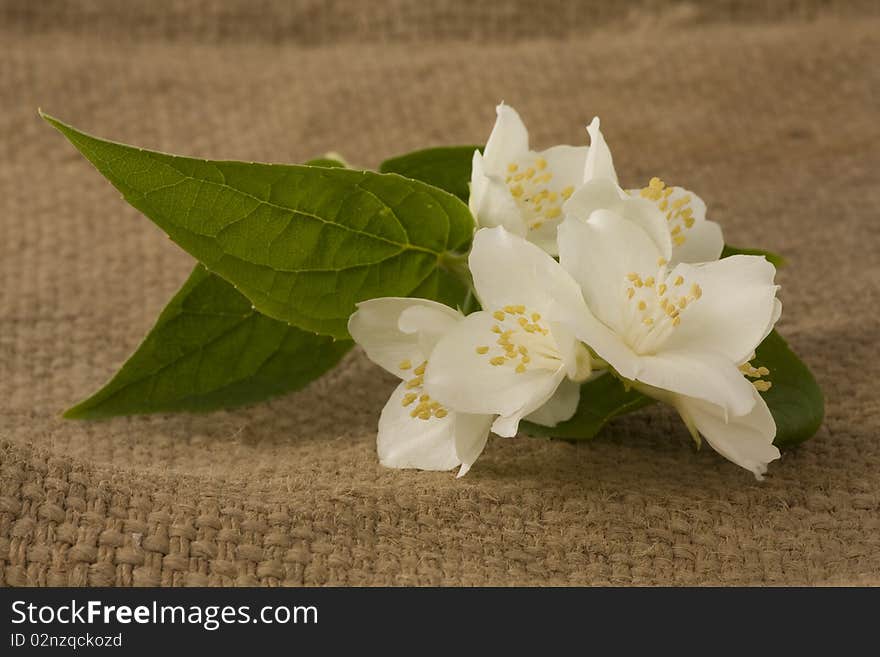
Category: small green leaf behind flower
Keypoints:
(208, 350)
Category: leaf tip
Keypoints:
(72, 413)
(51, 120)
(79, 411)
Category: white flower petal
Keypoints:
(463, 379)
(471, 434)
(490, 201)
(604, 194)
(596, 194)
(599, 162)
(707, 376)
(575, 358)
(407, 442)
(375, 325)
(508, 142)
(608, 344)
(777, 313)
(704, 243)
(560, 407)
(746, 440)
(599, 253)
(510, 270)
(544, 236)
(508, 425)
(566, 164)
(684, 217)
(429, 323)
(735, 311)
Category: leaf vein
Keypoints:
(406, 246)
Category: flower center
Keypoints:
(756, 373)
(521, 341)
(538, 199)
(654, 307)
(425, 408)
(676, 204)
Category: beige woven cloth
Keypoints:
(769, 110)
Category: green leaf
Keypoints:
(444, 287)
(304, 244)
(326, 161)
(447, 167)
(209, 320)
(602, 400)
(794, 399)
(776, 260)
(210, 349)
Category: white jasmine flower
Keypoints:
(519, 354)
(520, 189)
(415, 430)
(680, 332)
(746, 440)
(674, 216)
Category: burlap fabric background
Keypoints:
(770, 110)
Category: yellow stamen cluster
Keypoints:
(426, 408)
(670, 304)
(505, 349)
(755, 373)
(529, 187)
(679, 214)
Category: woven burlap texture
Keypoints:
(770, 114)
